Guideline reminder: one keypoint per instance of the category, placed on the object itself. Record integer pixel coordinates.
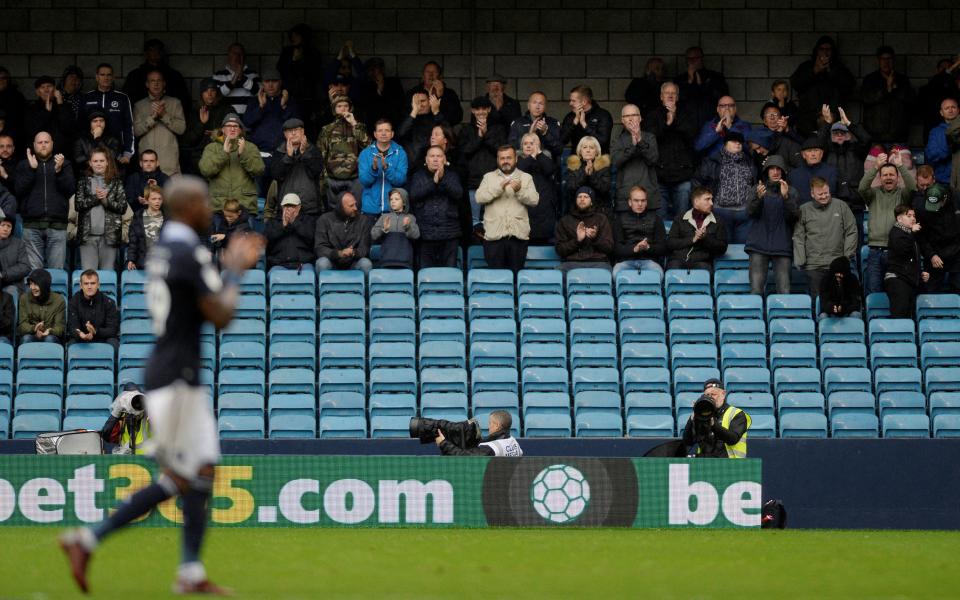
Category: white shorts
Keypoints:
(183, 429)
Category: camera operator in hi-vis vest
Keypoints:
(128, 426)
(716, 429)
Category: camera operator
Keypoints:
(498, 443)
(128, 426)
(717, 431)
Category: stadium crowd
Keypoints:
(329, 157)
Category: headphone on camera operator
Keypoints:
(716, 429)
(128, 426)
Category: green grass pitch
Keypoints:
(500, 563)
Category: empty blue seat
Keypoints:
(394, 355)
(753, 402)
(739, 306)
(796, 379)
(125, 376)
(648, 354)
(689, 306)
(632, 281)
(658, 425)
(490, 306)
(642, 330)
(683, 281)
(336, 331)
(541, 306)
(693, 331)
(843, 329)
(788, 354)
(389, 426)
(90, 355)
(590, 306)
(731, 281)
(547, 424)
(88, 422)
(543, 331)
(596, 423)
(334, 281)
(648, 403)
(639, 306)
(490, 281)
(545, 379)
(589, 281)
(939, 330)
(851, 402)
(593, 331)
(97, 405)
(743, 330)
(691, 379)
(493, 379)
(440, 280)
(793, 330)
(542, 257)
(902, 403)
(893, 354)
(475, 258)
(693, 355)
(347, 306)
(132, 283)
(341, 380)
(944, 403)
(893, 379)
(6, 357)
(393, 380)
(345, 427)
(289, 281)
(593, 355)
(938, 306)
(44, 381)
(608, 402)
(45, 402)
(40, 355)
(293, 426)
(539, 281)
(137, 331)
(294, 355)
(242, 355)
(88, 381)
(788, 306)
(647, 380)
(847, 379)
(485, 403)
(253, 282)
(502, 330)
(536, 403)
(892, 331)
(293, 381)
(440, 306)
(442, 353)
(940, 354)
(744, 355)
(248, 307)
(431, 330)
(544, 355)
(59, 282)
(878, 306)
(240, 426)
(791, 402)
(404, 405)
(293, 307)
(449, 406)
(108, 282)
(241, 380)
(942, 379)
(841, 354)
(854, 425)
(595, 379)
(492, 354)
(240, 404)
(295, 404)
(803, 425)
(747, 380)
(734, 258)
(906, 426)
(762, 426)
(245, 330)
(946, 426)
(443, 380)
(390, 281)
(29, 425)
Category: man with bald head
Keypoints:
(714, 132)
(635, 155)
(674, 126)
(45, 181)
(536, 121)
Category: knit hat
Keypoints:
(96, 114)
(733, 136)
(43, 79)
(936, 195)
(232, 118)
(341, 98)
(712, 383)
(811, 143)
(586, 189)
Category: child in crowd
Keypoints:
(234, 219)
(398, 228)
(145, 228)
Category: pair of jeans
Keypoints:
(476, 211)
(49, 247)
(361, 264)
(737, 222)
(760, 263)
(814, 279)
(641, 264)
(876, 268)
(674, 199)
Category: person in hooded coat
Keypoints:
(398, 229)
(821, 80)
(840, 292)
(42, 312)
(584, 236)
(588, 167)
(773, 211)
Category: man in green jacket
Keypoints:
(881, 202)
(231, 164)
(42, 312)
(826, 230)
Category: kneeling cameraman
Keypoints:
(717, 429)
(128, 426)
(498, 443)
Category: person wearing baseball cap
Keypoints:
(203, 124)
(716, 429)
(813, 165)
(290, 236)
(939, 233)
(232, 164)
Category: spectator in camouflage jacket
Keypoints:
(340, 144)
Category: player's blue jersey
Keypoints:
(180, 271)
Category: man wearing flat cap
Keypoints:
(812, 166)
(720, 432)
(296, 166)
(504, 109)
(266, 113)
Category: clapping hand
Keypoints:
(101, 194)
(204, 114)
(241, 144)
(825, 114)
(284, 98)
(58, 161)
(699, 233)
(581, 231)
(31, 159)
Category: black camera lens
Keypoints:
(137, 402)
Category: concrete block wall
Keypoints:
(549, 45)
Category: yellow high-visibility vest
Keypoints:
(738, 450)
(142, 434)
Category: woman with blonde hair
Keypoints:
(588, 167)
(100, 203)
